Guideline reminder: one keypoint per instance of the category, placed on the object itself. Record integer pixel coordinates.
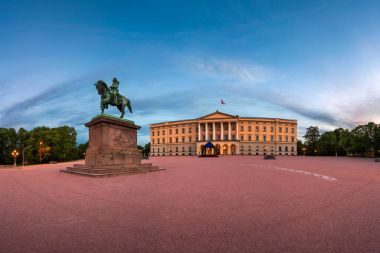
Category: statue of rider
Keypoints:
(114, 88)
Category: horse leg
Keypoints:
(102, 106)
(129, 105)
(121, 107)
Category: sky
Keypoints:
(314, 61)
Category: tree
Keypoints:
(345, 141)
(147, 149)
(364, 139)
(300, 148)
(377, 140)
(8, 142)
(327, 144)
(311, 139)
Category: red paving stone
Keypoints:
(226, 204)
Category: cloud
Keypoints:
(230, 70)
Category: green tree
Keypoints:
(364, 139)
(8, 142)
(345, 141)
(311, 139)
(327, 144)
(147, 149)
(377, 140)
(300, 148)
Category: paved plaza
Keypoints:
(225, 204)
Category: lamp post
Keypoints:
(41, 151)
(14, 154)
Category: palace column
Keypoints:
(213, 131)
(229, 131)
(206, 138)
(237, 131)
(221, 131)
(199, 131)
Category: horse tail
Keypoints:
(129, 105)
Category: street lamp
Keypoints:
(15, 155)
(41, 151)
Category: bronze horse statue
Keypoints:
(107, 98)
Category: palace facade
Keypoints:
(230, 134)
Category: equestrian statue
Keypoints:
(110, 96)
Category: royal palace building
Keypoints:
(231, 135)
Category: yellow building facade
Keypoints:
(231, 135)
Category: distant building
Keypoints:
(231, 135)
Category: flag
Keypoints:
(222, 102)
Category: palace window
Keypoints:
(264, 138)
(176, 140)
(170, 139)
(242, 128)
(280, 129)
(257, 138)
(158, 132)
(153, 141)
(163, 140)
(272, 129)
(170, 131)
(279, 148)
(203, 137)
(219, 137)
(189, 130)
(264, 128)
(226, 137)
(257, 148)
(158, 141)
(190, 139)
(176, 131)
(189, 149)
(163, 132)
(183, 149)
(286, 149)
(158, 150)
(234, 137)
(286, 129)
(272, 138)
(196, 138)
(249, 137)
(153, 150)
(249, 128)
(257, 128)
(176, 149)
(152, 133)
(242, 137)
(286, 138)
(196, 129)
(233, 127)
(249, 148)
(280, 138)
(292, 138)
(292, 149)
(183, 139)
(183, 130)
(163, 150)
(292, 130)
(225, 126)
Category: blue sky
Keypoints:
(315, 61)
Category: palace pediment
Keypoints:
(218, 115)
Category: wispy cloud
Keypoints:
(230, 70)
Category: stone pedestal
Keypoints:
(112, 149)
